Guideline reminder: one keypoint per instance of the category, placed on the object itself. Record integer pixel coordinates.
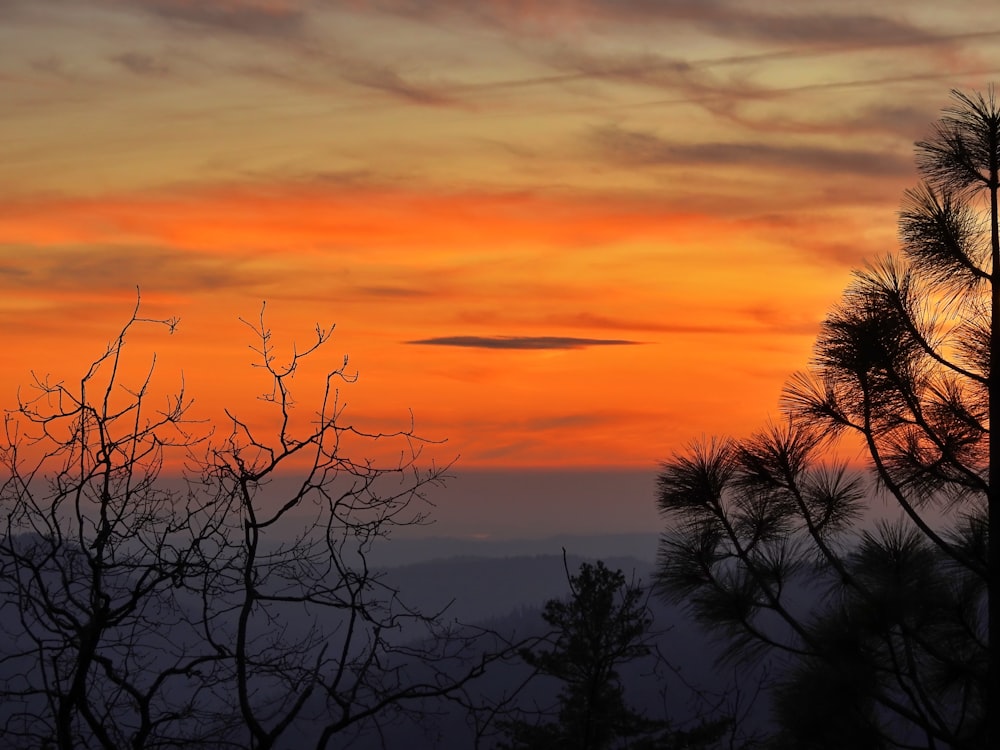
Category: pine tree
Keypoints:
(902, 615)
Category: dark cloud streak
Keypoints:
(108, 268)
(521, 342)
(141, 64)
(653, 69)
(393, 292)
(637, 149)
(238, 16)
(731, 19)
(386, 80)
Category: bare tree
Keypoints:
(234, 605)
(895, 646)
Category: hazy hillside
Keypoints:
(507, 595)
(404, 550)
(479, 588)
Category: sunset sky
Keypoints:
(570, 233)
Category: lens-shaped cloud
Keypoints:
(521, 342)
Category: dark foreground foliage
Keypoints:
(234, 607)
(890, 645)
(604, 623)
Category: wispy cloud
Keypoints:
(646, 68)
(639, 148)
(336, 213)
(739, 20)
(521, 342)
(100, 269)
(730, 18)
(394, 292)
(381, 77)
(673, 327)
(141, 64)
(776, 36)
(256, 17)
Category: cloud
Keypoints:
(685, 81)
(11, 8)
(521, 342)
(732, 19)
(141, 64)
(699, 82)
(333, 213)
(385, 79)
(52, 65)
(255, 17)
(779, 36)
(571, 421)
(903, 122)
(645, 68)
(591, 321)
(738, 21)
(98, 269)
(636, 148)
(11, 271)
(393, 292)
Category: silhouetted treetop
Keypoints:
(888, 628)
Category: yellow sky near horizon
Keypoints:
(574, 234)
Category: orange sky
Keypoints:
(563, 234)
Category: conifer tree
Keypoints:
(895, 621)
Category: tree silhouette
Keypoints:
(603, 624)
(887, 628)
(142, 612)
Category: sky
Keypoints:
(570, 234)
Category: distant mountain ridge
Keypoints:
(474, 589)
(503, 592)
(402, 550)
